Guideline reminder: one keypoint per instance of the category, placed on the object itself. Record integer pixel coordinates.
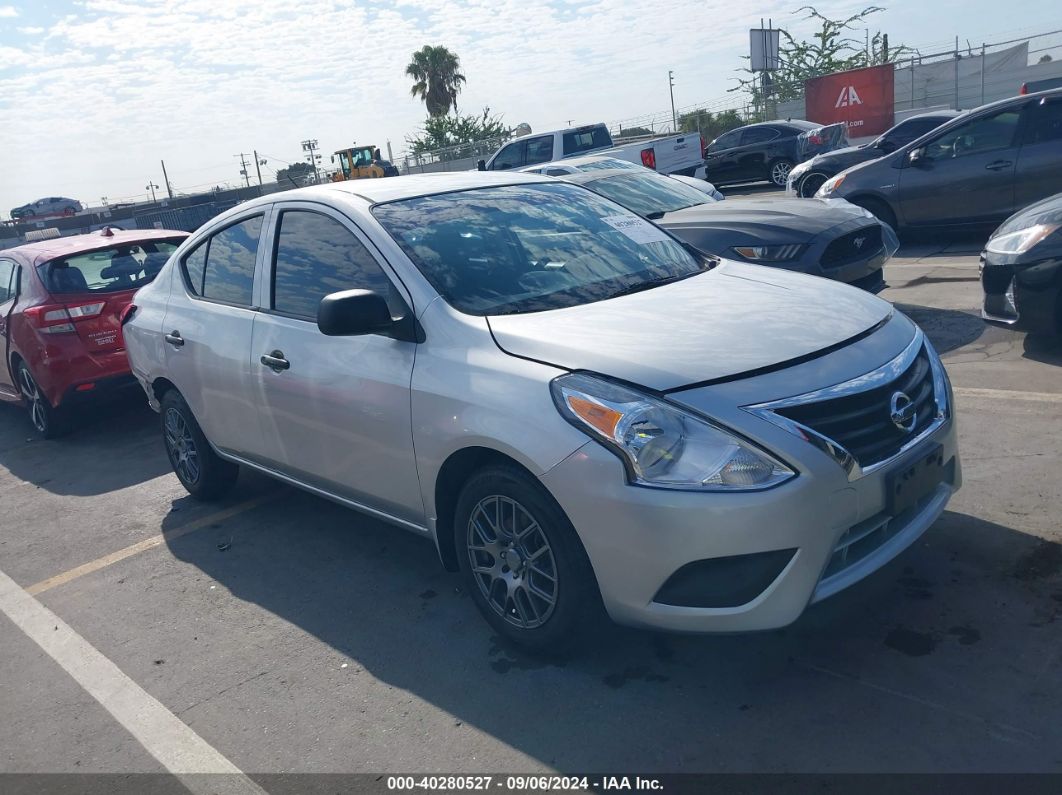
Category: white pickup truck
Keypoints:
(672, 154)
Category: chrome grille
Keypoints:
(862, 424)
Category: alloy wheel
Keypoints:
(512, 562)
(180, 444)
(780, 173)
(38, 411)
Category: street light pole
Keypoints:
(310, 147)
(151, 187)
(671, 86)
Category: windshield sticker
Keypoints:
(636, 229)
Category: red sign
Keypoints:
(862, 98)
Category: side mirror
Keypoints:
(885, 145)
(353, 312)
(917, 157)
(481, 165)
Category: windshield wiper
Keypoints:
(656, 216)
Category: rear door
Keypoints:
(8, 294)
(966, 175)
(337, 416)
(1039, 171)
(207, 331)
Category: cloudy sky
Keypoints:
(93, 93)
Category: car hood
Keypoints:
(840, 159)
(730, 320)
(767, 221)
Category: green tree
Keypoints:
(294, 173)
(438, 79)
(631, 132)
(829, 50)
(453, 130)
(710, 125)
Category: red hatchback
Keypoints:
(61, 305)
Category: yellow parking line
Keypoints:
(146, 544)
(1007, 394)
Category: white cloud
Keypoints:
(8, 12)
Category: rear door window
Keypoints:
(539, 150)
(222, 267)
(317, 256)
(585, 140)
(758, 135)
(1044, 122)
(7, 280)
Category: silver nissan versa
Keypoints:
(575, 407)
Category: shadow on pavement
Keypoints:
(947, 329)
(1046, 350)
(952, 609)
(113, 444)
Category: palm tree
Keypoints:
(438, 81)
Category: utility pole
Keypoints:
(166, 179)
(258, 163)
(671, 85)
(151, 187)
(310, 147)
(243, 168)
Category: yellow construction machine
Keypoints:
(361, 162)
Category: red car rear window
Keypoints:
(109, 270)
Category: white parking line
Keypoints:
(1007, 394)
(177, 748)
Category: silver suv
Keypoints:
(577, 409)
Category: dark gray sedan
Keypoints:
(827, 238)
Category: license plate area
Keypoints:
(908, 484)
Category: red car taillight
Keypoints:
(704, 148)
(127, 314)
(649, 158)
(59, 318)
(1023, 90)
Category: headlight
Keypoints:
(661, 445)
(769, 253)
(941, 384)
(829, 186)
(798, 170)
(1021, 241)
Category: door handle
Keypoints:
(175, 339)
(999, 165)
(275, 361)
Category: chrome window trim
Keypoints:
(885, 374)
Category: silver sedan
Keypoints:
(574, 407)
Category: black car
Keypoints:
(832, 239)
(973, 171)
(1021, 270)
(807, 177)
(765, 151)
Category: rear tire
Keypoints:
(205, 474)
(532, 580)
(778, 171)
(878, 209)
(48, 421)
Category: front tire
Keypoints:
(878, 209)
(778, 171)
(48, 421)
(206, 475)
(810, 184)
(522, 560)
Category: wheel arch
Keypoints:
(455, 471)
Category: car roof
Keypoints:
(943, 113)
(43, 250)
(585, 177)
(386, 189)
(579, 161)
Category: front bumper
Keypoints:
(1022, 296)
(860, 265)
(762, 556)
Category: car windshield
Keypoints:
(108, 270)
(649, 195)
(528, 248)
